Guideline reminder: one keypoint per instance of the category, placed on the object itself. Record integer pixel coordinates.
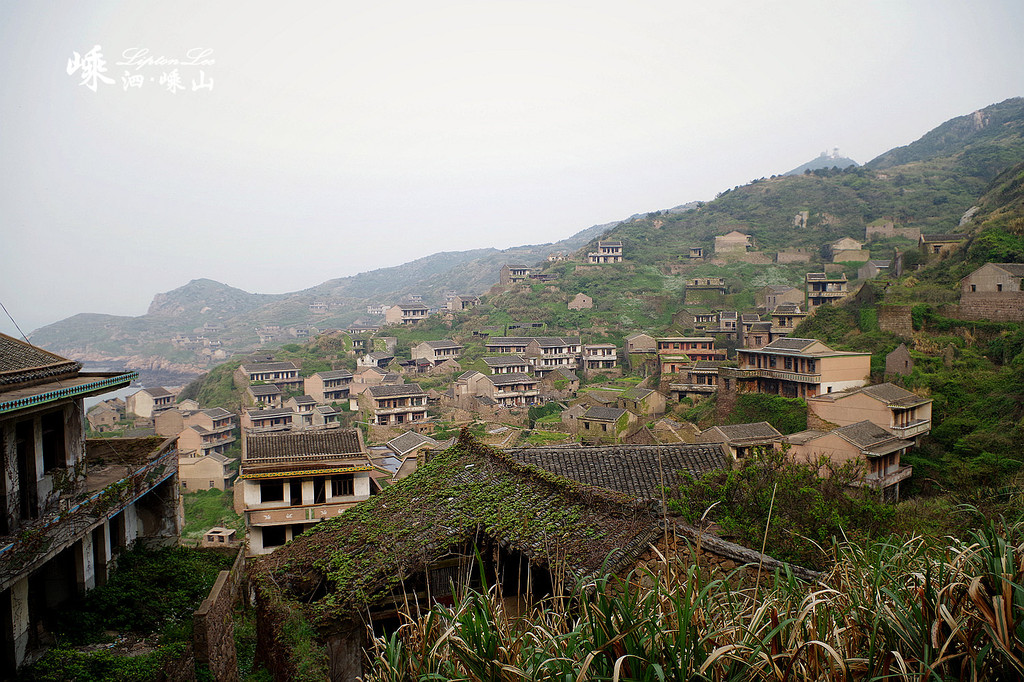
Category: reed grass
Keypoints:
(909, 610)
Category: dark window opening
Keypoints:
(343, 485)
(273, 536)
(24, 443)
(295, 490)
(271, 491)
(319, 491)
(54, 448)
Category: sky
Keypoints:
(272, 146)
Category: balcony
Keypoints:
(782, 375)
(303, 514)
(692, 388)
(400, 409)
(893, 476)
(914, 428)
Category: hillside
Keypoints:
(825, 160)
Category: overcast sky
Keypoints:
(316, 140)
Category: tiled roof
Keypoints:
(609, 414)
(380, 355)
(467, 375)
(327, 410)
(22, 362)
(469, 492)
(264, 389)
(267, 366)
(635, 470)
(157, 392)
(304, 399)
(1015, 269)
(512, 378)
(217, 413)
(790, 343)
(275, 412)
(409, 441)
(556, 341)
(735, 433)
(567, 374)
(341, 442)
(761, 327)
(395, 390)
(335, 374)
(955, 237)
(509, 340)
(787, 308)
(505, 361)
(637, 393)
(444, 343)
(865, 434)
(891, 394)
(749, 318)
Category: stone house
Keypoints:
(304, 407)
(461, 302)
(733, 242)
(103, 417)
(993, 292)
(508, 344)
(897, 410)
(548, 353)
(848, 250)
(373, 376)
(70, 503)
(758, 334)
(640, 342)
(742, 440)
(873, 268)
(505, 390)
(289, 482)
(785, 319)
(695, 381)
(581, 302)
(266, 421)
(600, 356)
(645, 402)
(606, 425)
(561, 384)
(375, 358)
(452, 533)
(935, 245)
(772, 296)
(899, 362)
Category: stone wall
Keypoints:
(1007, 306)
(213, 630)
(793, 255)
(889, 230)
(896, 319)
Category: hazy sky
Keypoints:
(330, 138)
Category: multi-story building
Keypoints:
(67, 504)
(512, 390)
(149, 402)
(284, 375)
(329, 387)
(436, 352)
(549, 353)
(288, 482)
(608, 251)
(508, 344)
(513, 274)
(265, 421)
(598, 356)
(798, 368)
(678, 352)
(395, 404)
(897, 410)
(785, 318)
(264, 396)
(742, 440)
(206, 432)
(303, 407)
(507, 364)
(406, 313)
(462, 302)
(823, 289)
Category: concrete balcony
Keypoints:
(298, 514)
(892, 476)
(782, 375)
(915, 428)
(692, 388)
(379, 411)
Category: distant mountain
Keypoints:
(202, 295)
(832, 159)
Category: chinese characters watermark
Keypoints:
(172, 74)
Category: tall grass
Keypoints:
(888, 611)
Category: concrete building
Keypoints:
(897, 410)
(847, 250)
(204, 472)
(798, 368)
(822, 289)
(289, 482)
(67, 504)
(149, 402)
(677, 352)
(436, 352)
(734, 242)
(264, 396)
(393, 405)
(406, 313)
(608, 251)
(548, 353)
(508, 364)
(329, 387)
(600, 356)
(742, 440)
(581, 302)
(513, 274)
(284, 375)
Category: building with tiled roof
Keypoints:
(507, 364)
(70, 504)
(897, 410)
(606, 424)
(823, 288)
(288, 482)
(436, 352)
(608, 251)
(266, 395)
(741, 440)
(457, 511)
(877, 450)
(391, 405)
(148, 402)
(328, 387)
(285, 375)
(798, 368)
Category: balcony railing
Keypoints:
(317, 512)
(895, 475)
(914, 428)
(764, 373)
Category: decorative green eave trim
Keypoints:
(103, 385)
(307, 472)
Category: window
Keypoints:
(999, 287)
(343, 485)
(974, 287)
(212, 483)
(272, 491)
(54, 447)
(273, 536)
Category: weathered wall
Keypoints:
(213, 630)
(889, 230)
(1007, 306)
(895, 319)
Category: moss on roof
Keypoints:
(466, 492)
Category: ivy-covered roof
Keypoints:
(469, 491)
